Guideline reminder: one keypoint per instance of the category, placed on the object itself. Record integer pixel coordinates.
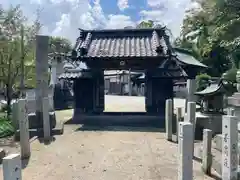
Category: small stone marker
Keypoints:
(185, 164)
(229, 148)
(168, 118)
(46, 120)
(15, 115)
(12, 167)
(191, 88)
(230, 111)
(191, 118)
(24, 128)
(178, 119)
(206, 154)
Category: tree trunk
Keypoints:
(9, 99)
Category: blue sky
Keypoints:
(64, 17)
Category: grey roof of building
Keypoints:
(128, 43)
(189, 60)
(121, 43)
(212, 89)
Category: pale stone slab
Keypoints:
(191, 89)
(12, 167)
(42, 90)
(178, 119)
(15, 115)
(185, 138)
(206, 154)
(229, 148)
(24, 128)
(191, 118)
(168, 118)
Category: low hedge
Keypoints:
(6, 127)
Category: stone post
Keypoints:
(42, 89)
(46, 121)
(191, 118)
(206, 154)
(178, 119)
(191, 89)
(24, 128)
(185, 164)
(12, 167)
(15, 116)
(168, 118)
(229, 148)
(238, 80)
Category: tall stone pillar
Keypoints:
(191, 89)
(42, 88)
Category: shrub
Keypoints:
(231, 75)
(202, 81)
(6, 127)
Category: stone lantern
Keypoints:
(238, 80)
(234, 100)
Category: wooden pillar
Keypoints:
(148, 91)
(99, 91)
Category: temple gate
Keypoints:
(145, 50)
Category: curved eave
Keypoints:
(210, 90)
(185, 57)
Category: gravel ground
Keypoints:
(105, 155)
(113, 154)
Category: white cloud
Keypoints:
(64, 17)
(119, 21)
(122, 4)
(167, 12)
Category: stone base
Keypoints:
(36, 122)
(207, 121)
(58, 130)
(133, 119)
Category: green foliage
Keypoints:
(6, 128)
(212, 33)
(202, 81)
(231, 75)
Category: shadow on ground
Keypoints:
(118, 128)
(25, 162)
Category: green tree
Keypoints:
(211, 31)
(12, 22)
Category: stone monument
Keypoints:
(42, 88)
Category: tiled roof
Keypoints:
(213, 88)
(74, 74)
(121, 43)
